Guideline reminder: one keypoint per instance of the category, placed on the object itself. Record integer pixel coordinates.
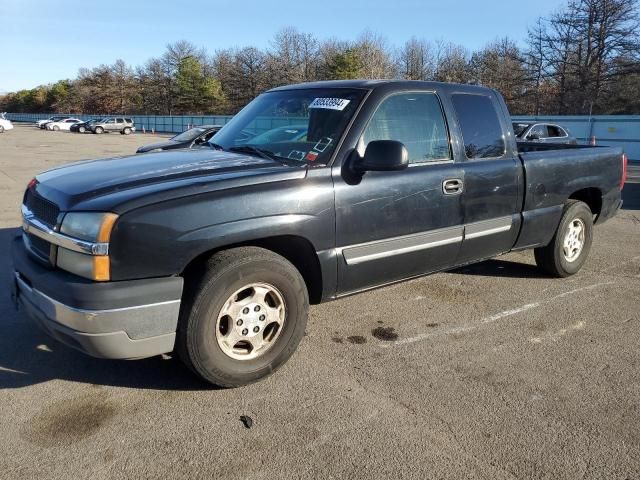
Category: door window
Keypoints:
(538, 132)
(416, 120)
(554, 131)
(481, 130)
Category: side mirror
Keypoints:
(533, 136)
(383, 156)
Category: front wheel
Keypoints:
(244, 318)
(569, 248)
(1, 129)
(56, 128)
(127, 131)
(82, 129)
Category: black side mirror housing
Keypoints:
(383, 156)
(533, 136)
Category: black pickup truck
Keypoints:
(217, 253)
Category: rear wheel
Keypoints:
(244, 318)
(569, 248)
(56, 128)
(1, 129)
(99, 130)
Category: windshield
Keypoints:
(298, 125)
(519, 128)
(189, 135)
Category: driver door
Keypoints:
(399, 224)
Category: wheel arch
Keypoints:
(296, 249)
(592, 196)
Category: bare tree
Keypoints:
(452, 63)
(293, 57)
(416, 60)
(374, 55)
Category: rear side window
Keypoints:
(416, 120)
(555, 131)
(481, 130)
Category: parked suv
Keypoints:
(114, 124)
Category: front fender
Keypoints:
(162, 239)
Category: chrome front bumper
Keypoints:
(121, 333)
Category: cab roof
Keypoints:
(385, 84)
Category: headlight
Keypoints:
(90, 227)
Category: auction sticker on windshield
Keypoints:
(330, 103)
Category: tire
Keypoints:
(126, 131)
(99, 130)
(1, 129)
(82, 129)
(557, 259)
(55, 128)
(200, 338)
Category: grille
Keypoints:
(44, 210)
(40, 246)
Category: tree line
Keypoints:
(582, 59)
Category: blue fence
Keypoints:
(616, 130)
(158, 123)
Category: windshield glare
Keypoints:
(189, 135)
(299, 125)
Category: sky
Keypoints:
(42, 42)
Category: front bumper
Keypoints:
(118, 320)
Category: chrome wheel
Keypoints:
(574, 240)
(250, 321)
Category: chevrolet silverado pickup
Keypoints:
(216, 253)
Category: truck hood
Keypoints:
(105, 183)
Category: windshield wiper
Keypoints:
(266, 154)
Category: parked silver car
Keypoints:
(542, 133)
(121, 125)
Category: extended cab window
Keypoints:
(416, 120)
(481, 130)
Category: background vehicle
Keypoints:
(82, 127)
(4, 123)
(114, 124)
(62, 124)
(542, 133)
(218, 252)
(193, 137)
(42, 124)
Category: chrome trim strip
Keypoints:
(487, 227)
(365, 252)
(32, 225)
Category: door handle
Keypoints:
(452, 186)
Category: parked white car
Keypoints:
(4, 123)
(43, 123)
(63, 124)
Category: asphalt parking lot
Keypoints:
(493, 371)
